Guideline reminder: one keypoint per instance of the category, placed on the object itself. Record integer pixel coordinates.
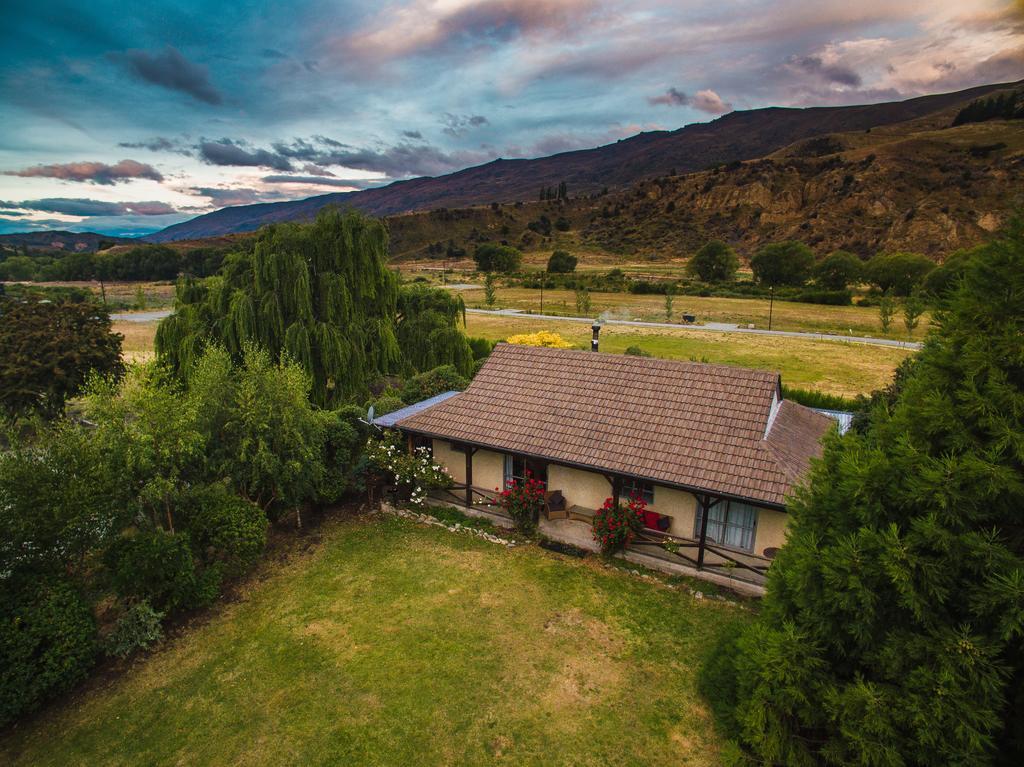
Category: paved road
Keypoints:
(719, 327)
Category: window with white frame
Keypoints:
(730, 523)
(639, 489)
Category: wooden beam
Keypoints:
(616, 491)
(705, 505)
(469, 476)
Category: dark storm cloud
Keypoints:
(830, 73)
(672, 98)
(169, 69)
(158, 144)
(352, 183)
(457, 126)
(225, 196)
(413, 134)
(91, 172)
(401, 160)
(236, 153)
(86, 207)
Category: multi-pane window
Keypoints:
(517, 467)
(639, 489)
(730, 523)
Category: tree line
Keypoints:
(138, 263)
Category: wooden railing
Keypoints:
(647, 539)
(456, 494)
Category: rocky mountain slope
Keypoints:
(738, 136)
(919, 186)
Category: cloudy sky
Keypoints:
(126, 121)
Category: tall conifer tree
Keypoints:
(893, 628)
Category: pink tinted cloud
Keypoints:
(92, 172)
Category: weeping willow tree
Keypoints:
(428, 330)
(320, 292)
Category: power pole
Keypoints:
(542, 294)
(771, 304)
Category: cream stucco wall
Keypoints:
(488, 466)
(679, 505)
(580, 488)
(771, 529)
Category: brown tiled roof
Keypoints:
(688, 424)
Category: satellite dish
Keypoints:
(369, 415)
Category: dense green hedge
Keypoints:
(47, 642)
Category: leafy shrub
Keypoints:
(636, 351)
(388, 403)
(156, 566)
(543, 338)
(481, 347)
(433, 382)
(826, 297)
(650, 287)
(616, 525)
(225, 531)
(497, 258)
(137, 628)
(813, 398)
(47, 644)
(561, 262)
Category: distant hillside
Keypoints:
(70, 242)
(905, 187)
(743, 135)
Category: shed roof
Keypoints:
(390, 419)
(713, 428)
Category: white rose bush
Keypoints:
(415, 472)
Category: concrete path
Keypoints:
(718, 327)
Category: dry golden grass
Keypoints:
(786, 315)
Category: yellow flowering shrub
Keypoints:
(540, 338)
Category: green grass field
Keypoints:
(393, 643)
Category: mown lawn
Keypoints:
(393, 643)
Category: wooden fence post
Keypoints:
(704, 502)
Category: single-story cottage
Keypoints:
(714, 450)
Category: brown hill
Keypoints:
(910, 187)
(738, 136)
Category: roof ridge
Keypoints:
(634, 359)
